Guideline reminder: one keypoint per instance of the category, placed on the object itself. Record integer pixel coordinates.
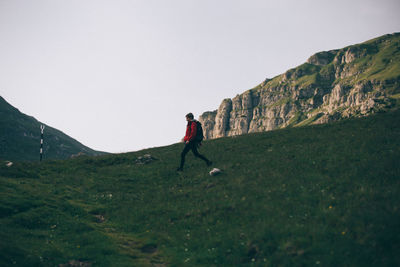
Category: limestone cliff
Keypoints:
(354, 81)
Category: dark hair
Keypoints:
(189, 115)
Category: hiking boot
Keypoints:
(179, 169)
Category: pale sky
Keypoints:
(120, 75)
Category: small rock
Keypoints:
(145, 159)
(77, 155)
(9, 163)
(215, 171)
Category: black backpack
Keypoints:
(199, 133)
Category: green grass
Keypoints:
(324, 195)
(379, 61)
(310, 120)
(298, 117)
(384, 65)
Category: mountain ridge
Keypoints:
(356, 80)
(20, 138)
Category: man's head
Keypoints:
(189, 116)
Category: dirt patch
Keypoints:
(150, 249)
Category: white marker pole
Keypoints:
(41, 141)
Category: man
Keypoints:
(191, 143)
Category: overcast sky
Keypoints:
(120, 75)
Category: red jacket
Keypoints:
(191, 130)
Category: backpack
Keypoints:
(199, 133)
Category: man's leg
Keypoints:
(197, 154)
(183, 154)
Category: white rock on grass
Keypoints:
(215, 171)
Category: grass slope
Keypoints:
(323, 195)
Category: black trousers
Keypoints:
(192, 146)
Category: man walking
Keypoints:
(191, 142)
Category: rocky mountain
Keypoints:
(354, 81)
(20, 138)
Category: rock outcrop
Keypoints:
(353, 81)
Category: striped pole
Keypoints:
(41, 141)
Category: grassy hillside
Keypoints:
(20, 138)
(325, 195)
(375, 60)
